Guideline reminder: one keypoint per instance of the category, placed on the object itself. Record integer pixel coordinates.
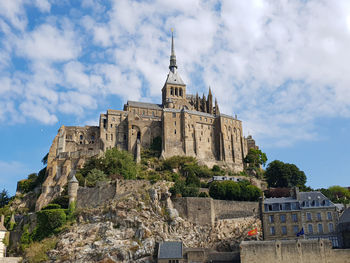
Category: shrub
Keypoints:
(203, 194)
(52, 206)
(229, 190)
(217, 190)
(37, 251)
(62, 201)
(95, 176)
(176, 162)
(49, 222)
(114, 162)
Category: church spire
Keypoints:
(172, 65)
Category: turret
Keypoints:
(217, 111)
(204, 104)
(73, 186)
(210, 102)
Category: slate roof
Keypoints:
(279, 200)
(303, 196)
(174, 78)
(146, 105)
(345, 217)
(170, 249)
(307, 196)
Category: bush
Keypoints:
(177, 162)
(62, 201)
(95, 176)
(114, 162)
(203, 194)
(52, 206)
(49, 222)
(229, 190)
(37, 251)
(180, 188)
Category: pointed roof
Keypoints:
(172, 65)
(173, 76)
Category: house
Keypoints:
(311, 214)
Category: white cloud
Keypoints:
(47, 42)
(279, 65)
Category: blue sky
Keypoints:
(282, 67)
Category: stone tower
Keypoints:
(73, 186)
(174, 89)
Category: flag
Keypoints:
(301, 232)
(253, 232)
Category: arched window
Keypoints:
(180, 90)
(176, 92)
(171, 91)
(81, 137)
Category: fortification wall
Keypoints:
(286, 251)
(105, 191)
(206, 210)
(234, 209)
(96, 196)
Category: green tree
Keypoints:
(255, 158)
(280, 174)
(95, 176)
(4, 198)
(217, 190)
(232, 190)
(114, 162)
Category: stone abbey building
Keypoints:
(187, 124)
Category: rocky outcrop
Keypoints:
(128, 228)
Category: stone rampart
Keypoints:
(234, 209)
(286, 251)
(105, 191)
(206, 210)
(96, 196)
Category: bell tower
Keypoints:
(174, 89)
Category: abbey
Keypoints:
(187, 124)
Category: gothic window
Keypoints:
(180, 90)
(92, 137)
(176, 92)
(174, 131)
(171, 91)
(111, 137)
(81, 137)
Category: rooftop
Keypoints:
(345, 217)
(146, 105)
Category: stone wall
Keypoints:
(286, 251)
(105, 191)
(10, 260)
(235, 209)
(93, 197)
(206, 210)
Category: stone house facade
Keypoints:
(283, 218)
(188, 126)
